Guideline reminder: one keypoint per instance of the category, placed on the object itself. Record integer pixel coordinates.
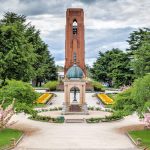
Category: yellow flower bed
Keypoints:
(44, 98)
(105, 99)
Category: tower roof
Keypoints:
(74, 72)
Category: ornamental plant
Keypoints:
(21, 91)
(51, 85)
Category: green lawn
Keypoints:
(6, 135)
(144, 135)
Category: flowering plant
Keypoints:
(6, 114)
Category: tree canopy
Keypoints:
(136, 98)
(23, 54)
(113, 67)
(139, 42)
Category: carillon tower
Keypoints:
(74, 63)
(74, 43)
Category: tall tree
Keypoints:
(139, 42)
(23, 54)
(136, 38)
(113, 67)
(16, 54)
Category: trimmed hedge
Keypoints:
(51, 85)
(48, 119)
(97, 86)
(113, 117)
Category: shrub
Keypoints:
(141, 92)
(93, 120)
(23, 107)
(21, 91)
(51, 85)
(124, 103)
(98, 108)
(41, 118)
(115, 116)
(97, 86)
(59, 108)
(48, 119)
(134, 99)
(60, 119)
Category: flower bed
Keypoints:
(105, 99)
(44, 98)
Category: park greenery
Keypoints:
(130, 68)
(139, 50)
(59, 119)
(118, 68)
(97, 86)
(51, 85)
(143, 136)
(136, 98)
(24, 57)
(23, 93)
(23, 54)
(114, 117)
(113, 67)
(6, 136)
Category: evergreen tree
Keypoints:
(139, 42)
(23, 54)
(113, 67)
(16, 54)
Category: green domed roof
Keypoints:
(74, 72)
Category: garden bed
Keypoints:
(8, 138)
(106, 100)
(48, 119)
(105, 119)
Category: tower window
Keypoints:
(74, 26)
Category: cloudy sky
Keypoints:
(107, 22)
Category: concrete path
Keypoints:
(91, 100)
(74, 136)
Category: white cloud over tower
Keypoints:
(107, 22)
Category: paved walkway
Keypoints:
(91, 100)
(74, 136)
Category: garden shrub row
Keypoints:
(97, 86)
(48, 119)
(50, 109)
(113, 117)
(136, 98)
(51, 85)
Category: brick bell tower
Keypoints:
(74, 42)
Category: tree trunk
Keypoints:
(37, 82)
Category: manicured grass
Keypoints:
(144, 135)
(6, 135)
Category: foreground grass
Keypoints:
(144, 135)
(6, 135)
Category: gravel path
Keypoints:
(75, 136)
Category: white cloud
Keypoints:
(107, 22)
